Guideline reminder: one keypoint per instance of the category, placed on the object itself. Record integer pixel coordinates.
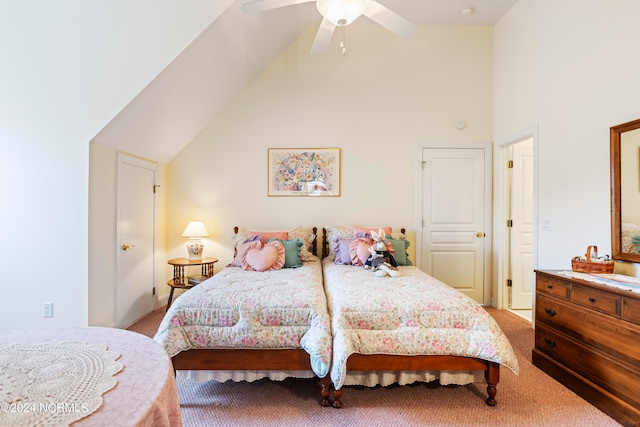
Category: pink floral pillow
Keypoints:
(266, 235)
(259, 257)
(359, 250)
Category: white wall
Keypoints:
(376, 103)
(67, 68)
(570, 68)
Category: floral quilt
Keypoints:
(414, 314)
(242, 309)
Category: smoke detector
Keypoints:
(467, 10)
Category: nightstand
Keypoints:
(180, 281)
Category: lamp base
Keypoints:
(194, 249)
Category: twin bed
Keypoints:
(334, 321)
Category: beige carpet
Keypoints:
(530, 399)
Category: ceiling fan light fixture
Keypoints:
(342, 12)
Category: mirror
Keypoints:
(625, 191)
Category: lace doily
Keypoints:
(53, 383)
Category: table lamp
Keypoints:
(194, 231)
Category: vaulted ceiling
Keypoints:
(170, 111)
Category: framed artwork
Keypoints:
(304, 172)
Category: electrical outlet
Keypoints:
(47, 309)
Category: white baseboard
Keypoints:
(161, 301)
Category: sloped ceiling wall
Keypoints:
(177, 104)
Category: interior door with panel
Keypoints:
(521, 236)
(455, 198)
(135, 296)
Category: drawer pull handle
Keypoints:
(592, 300)
(549, 287)
(550, 312)
(549, 342)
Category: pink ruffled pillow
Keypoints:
(259, 257)
(359, 250)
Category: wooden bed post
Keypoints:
(492, 376)
(325, 390)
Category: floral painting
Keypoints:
(304, 172)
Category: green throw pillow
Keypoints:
(291, 252)
(400, 251)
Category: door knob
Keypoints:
(126, 246)
(479, 234)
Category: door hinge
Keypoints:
(154, 291)
(509, 223)
(510, 164)
(509, 283)
(154, 188)
(424, 164)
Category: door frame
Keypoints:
(123, 158)
(501, 240)
(488, 176)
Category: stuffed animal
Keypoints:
(380, 260)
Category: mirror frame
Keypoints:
(616, 200)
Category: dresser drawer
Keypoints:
(597, 330)
(595, 299)
(553, 286)
(621, 379)
(631, 310)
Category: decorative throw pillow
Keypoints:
(341, 248)
(337, 232)
(266, 235)
(269, 256)
(356, 230)
(241, 248)
(400, 247)
(291, 253)
(307, 239)
(359, 250)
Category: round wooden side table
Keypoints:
(179, 280)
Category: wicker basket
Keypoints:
(591, 267)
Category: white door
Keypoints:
(455, 196)
(135, 297)
(521, 236)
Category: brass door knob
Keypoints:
(479, 234)
(126, 246)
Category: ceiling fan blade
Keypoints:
(262, 5)
(323, 36)
(389, 19)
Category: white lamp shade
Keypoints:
(195, 229)
(342, 12)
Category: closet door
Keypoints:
(135, 296)
(455, 196)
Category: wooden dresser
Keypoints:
(588, 338)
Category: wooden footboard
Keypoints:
(383, 362)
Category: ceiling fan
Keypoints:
(340, 13)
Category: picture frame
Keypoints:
(309, 172)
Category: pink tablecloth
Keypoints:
(146, 393)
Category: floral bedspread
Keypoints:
(242, 309)
(413, 314)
